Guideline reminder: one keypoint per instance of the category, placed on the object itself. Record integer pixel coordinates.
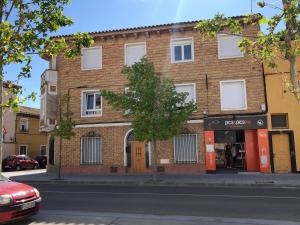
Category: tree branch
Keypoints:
(10, 10)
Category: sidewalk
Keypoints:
(47, 217)
(242, 179)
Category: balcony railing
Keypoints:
(48, 76)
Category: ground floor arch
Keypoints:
(128, 138)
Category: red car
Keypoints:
(17, 201)
(18, 162)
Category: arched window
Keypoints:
(91, 149)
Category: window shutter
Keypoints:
(233, 95)
(228, 46)
(187, 88)
(53, 63)
(92, 58)
(134, 53)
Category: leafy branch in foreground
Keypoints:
(25, 26)
(276, 44)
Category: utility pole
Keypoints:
(251, 6)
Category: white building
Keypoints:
(9, 126)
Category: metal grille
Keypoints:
(279, 120)
(91, 150)
(185, 148)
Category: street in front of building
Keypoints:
(98, 204)
(155, 122)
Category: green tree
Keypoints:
(280, 41)
(158, 112)
(64, 126)
(25, 26)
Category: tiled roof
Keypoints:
(159, 26)
(29, 110)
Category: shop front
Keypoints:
(237, 143)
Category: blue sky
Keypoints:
(96, 15)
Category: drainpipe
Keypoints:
(265, 88)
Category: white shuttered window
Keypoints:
(185, 148)
(228, 46)
(91, 150)
(188, 88)
(233, 95)
(91, 58)
(134, 52)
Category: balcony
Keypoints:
(49, 76)
(48, 100)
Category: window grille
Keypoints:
(91, 150)
(185, 148)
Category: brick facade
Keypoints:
(206, 63)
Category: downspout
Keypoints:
(265, 88)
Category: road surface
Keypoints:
(94, 204)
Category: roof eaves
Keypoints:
(158, 26)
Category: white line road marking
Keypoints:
(172, 194)
(57, 216)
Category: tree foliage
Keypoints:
(25, 26)
(151, 101)
(277, 43)
(65, 124)
(157, 111)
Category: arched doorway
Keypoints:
(129, 136)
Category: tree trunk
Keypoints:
(60, 141)
(294, 77)
(290, 53)
(1, 114)
(60, 156)
(155, 161)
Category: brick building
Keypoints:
(224, 83)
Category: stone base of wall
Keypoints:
(183, 169)
(94, 170)
(162, 169)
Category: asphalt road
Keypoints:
(227, 202)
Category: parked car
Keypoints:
(17, 201)
(42, 160)
(19, 162)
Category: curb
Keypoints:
(150, 183)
